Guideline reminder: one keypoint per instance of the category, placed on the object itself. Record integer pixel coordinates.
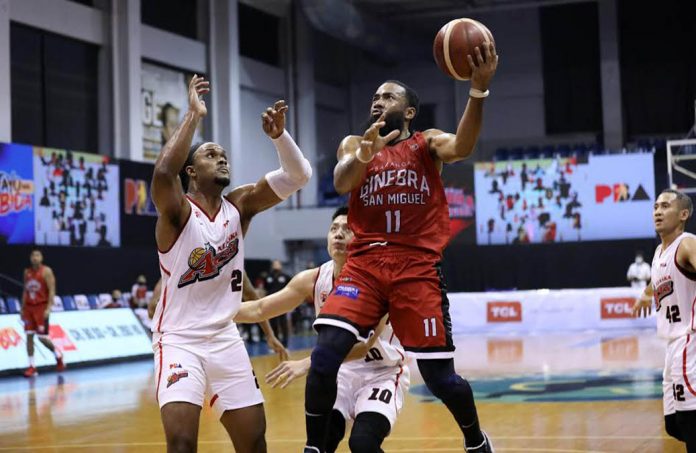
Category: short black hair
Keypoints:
(343, 210)
(411, 95)
(189, 161)
(683, 200)
(35, 249)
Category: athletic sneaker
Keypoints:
(30, 372)
(311, 450)
(60, 365)
(485, 447)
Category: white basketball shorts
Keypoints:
(679, 376)
(188, 369)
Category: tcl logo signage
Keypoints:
(504, 312)
(620, 349)
(505, 351)
(617, 308)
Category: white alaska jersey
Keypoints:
(202, 274)
(387, 351)
(674, 291)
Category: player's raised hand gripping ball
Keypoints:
(273, 119)
(462, 46)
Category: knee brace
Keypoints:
(368, 433)
(440, 378)
(326, 361)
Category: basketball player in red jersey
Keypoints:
(399, 215)
(37, 300)
(200, 240)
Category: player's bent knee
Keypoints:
(369, 431)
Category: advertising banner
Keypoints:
(83, 336)
(565, 199)
(138, 213)
(458, 181)
(16, 194)
(164, 103)
(546, 310)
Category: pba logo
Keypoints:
(617, 307)
(137, 200)
(618, 193)
(504, 311)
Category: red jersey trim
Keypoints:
(165, 269)
(164, 252)
(314, 286)
(686, 378)
(159, 374)
(164, 307)
(213, 399)
(212, 219)
(690, 275)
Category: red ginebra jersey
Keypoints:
(402, 201)
(35, 286)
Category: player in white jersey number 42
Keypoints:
(673, 290)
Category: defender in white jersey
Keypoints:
(673, 290)
(373, 379)
(200, 238)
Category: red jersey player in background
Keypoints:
(399, 215)
(37, 300)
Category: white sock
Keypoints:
(31, 361)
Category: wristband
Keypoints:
(476, 93)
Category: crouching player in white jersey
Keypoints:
(200, 237)
(673, 288)
(373, 379)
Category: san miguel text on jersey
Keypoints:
(390, 175)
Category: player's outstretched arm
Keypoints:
(250, 294)
(295, 292)
(360, 349)
(167, 192)
(355, 152)
(642, 307)
(450, 148)
(293, 174)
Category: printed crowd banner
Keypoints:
(16, 194)
(565, 199)
(76, 200)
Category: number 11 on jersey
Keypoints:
(397, 221)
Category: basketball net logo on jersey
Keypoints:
(662, 290)
(390, 174)
(205, 263)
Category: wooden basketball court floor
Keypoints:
(589, 392)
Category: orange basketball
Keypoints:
(457, 39)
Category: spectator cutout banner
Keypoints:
(57, 197)
(76, 199)
(565, 199)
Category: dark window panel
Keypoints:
(175, 16)
(570, 54)
(259, 35)
(26, 48)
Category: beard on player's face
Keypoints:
(393, 120)
(222, 181)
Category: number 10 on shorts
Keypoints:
(430, 325)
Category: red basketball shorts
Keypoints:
(406, 284)
(34, 319)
